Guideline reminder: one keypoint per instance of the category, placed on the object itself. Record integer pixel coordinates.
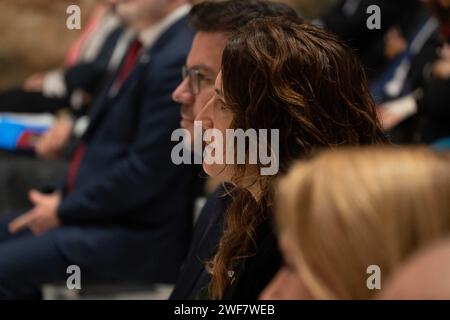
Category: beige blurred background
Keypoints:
(34, 37)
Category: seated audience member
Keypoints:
(350, 215)
(125, 213)
(298, 82)
(423, 115)
(213, 21)
(21, 171)
(349, 20)
(400, 49)
(426, 276)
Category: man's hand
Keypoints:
(42, 218)
(53, 142)
(393, 112)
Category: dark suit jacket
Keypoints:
(126, 177)
(91, 76)
(207, 234)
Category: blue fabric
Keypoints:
(11, 130)
(442, 144)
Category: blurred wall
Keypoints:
(34, 37)
(311, 9)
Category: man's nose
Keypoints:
(183, 93)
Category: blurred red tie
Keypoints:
(127, 66)
(74, 166)
(128, 63)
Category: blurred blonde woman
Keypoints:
(348, 209)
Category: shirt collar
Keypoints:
(149, 35)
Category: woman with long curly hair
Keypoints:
(278, 73)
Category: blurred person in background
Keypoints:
(90, 64)
(423, 116)
(278, 73)
(125, 211)
(376, 206)
(402, 44)
(348, 20)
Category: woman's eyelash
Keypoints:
(223, 106)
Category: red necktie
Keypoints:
(127, 66)
(75, 166)
(128, 63)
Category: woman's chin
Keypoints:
(215, 170)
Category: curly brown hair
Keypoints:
(278, 73)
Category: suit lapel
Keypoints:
(107, 101)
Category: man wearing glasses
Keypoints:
(203, 66)
(214, 21)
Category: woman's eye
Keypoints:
(222, 106)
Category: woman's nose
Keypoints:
(205, 115)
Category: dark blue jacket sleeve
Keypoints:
(146, 173)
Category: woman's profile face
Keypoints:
(216, 118)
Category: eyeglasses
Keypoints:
(195, 79)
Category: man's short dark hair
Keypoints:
(230, 15)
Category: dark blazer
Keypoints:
(90, 76)
(254, 273)
(127, 177)
(207, 234)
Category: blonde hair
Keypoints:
(348, 209)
